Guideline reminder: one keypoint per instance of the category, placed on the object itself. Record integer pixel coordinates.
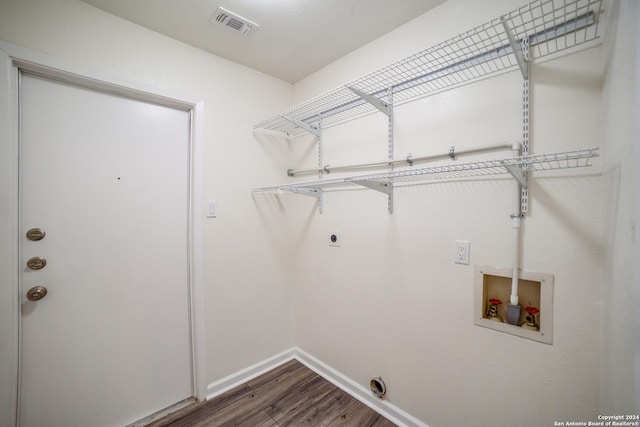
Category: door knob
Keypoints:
(36, 263)
(36, 293)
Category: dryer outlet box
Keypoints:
(335, 238)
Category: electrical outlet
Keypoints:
(461, 255)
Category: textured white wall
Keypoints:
(245, 277)
(620, 290)
(391, 302)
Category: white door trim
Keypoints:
(12, 59)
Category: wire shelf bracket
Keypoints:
(384, 107)
(315, 130)
(307, 191)
(516, 47)
(381, 186)
(518, 173)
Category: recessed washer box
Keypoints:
(535, 290)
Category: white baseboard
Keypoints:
(359, 392)
(238, 378)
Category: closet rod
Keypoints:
(410, 160)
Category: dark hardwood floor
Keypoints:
(290, 395)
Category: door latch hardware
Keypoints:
(35, 234)
(36, 293)
(36, 263)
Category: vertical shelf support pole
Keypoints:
(320, 163)
(524, 150)
(390, 150)
(317, 131)
(521, 52)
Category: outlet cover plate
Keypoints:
(461, 254)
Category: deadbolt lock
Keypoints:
(36, 263)
(36, 293)
(35, 234)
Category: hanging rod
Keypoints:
(409, 160)
(532, 163)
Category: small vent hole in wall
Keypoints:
(378, 387)
(233, 21)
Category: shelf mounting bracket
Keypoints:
(381, 186)
(517, 49)
(313, 192)
(304, 125)
(518, 173)
(381, 105)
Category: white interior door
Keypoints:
(107, 179)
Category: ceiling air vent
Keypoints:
(233, 21)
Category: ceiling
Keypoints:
(294, 39)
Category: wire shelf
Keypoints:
(548, 26)
(535, 163)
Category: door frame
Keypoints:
(12, 60)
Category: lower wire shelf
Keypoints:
(518, 167)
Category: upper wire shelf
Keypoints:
(549, 26)
(513, 166)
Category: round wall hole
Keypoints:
(377, 387)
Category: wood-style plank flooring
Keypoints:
(289, 395)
